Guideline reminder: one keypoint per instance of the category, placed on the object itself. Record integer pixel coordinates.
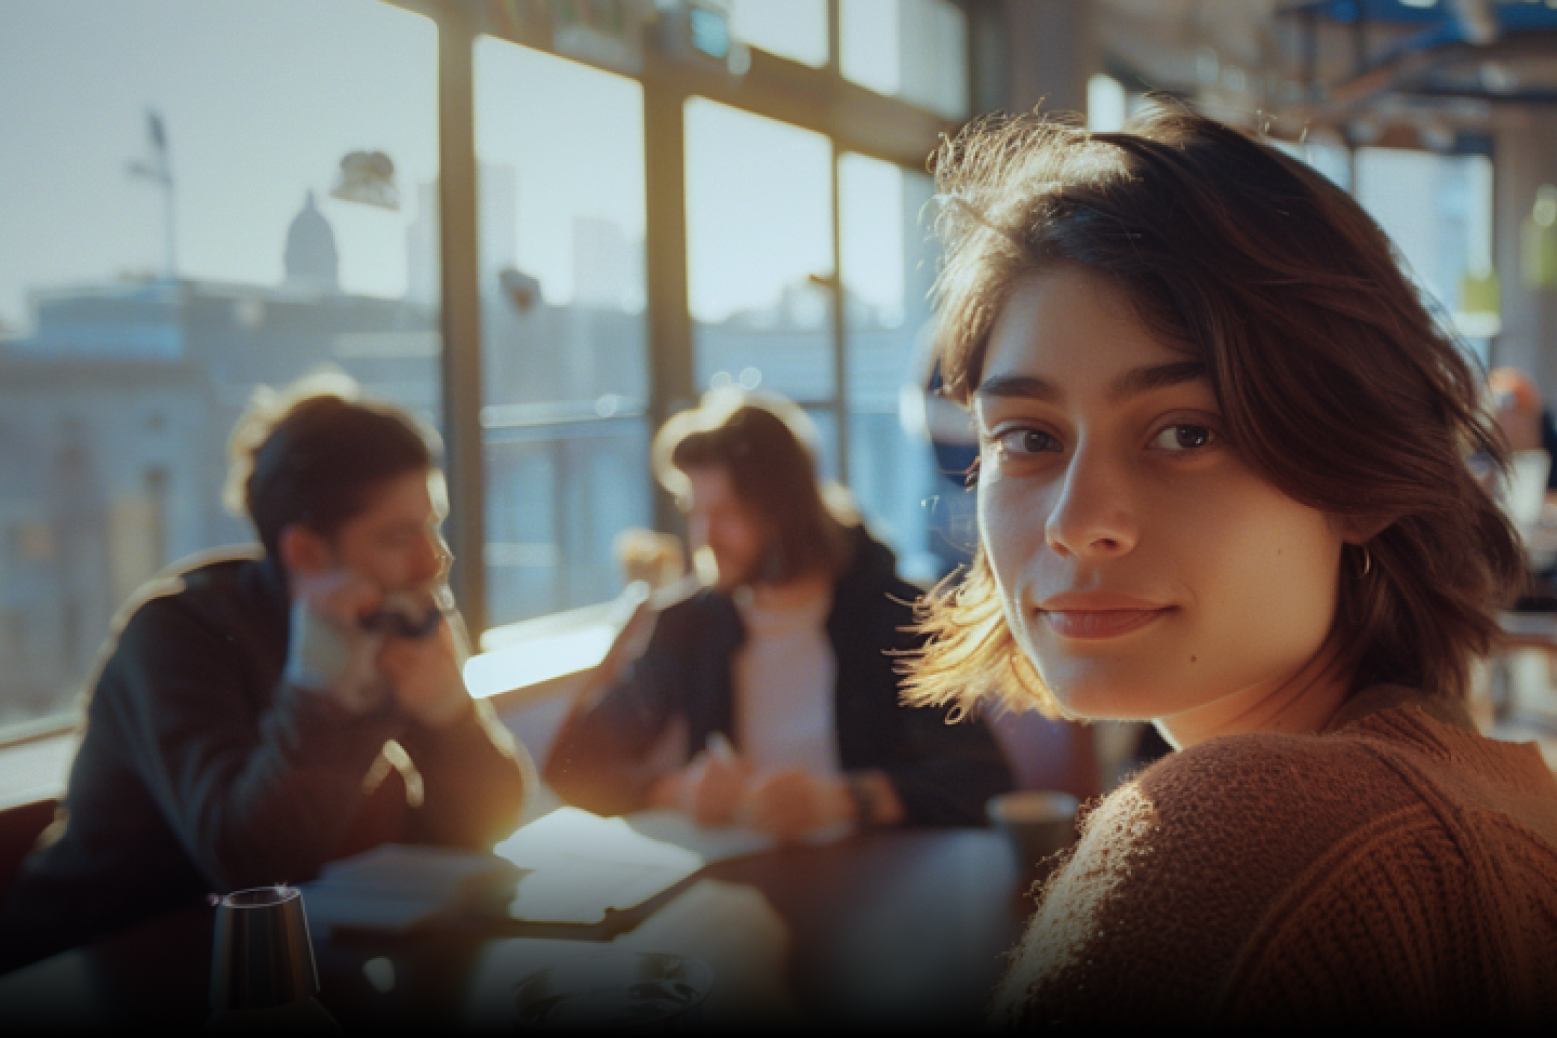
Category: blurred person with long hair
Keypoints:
(771, 698)
(1223, 486)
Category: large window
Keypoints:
(196, 199)
(203, 199)
(889, 265)
(565, 378)
(760, 259)
(1437, 209)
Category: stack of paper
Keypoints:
(579, 866)
(568, 866)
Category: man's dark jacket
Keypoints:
(201, 771)
(942, 773)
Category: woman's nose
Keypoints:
(1093, 517)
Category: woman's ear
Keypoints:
(302, 550)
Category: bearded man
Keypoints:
(771, 698)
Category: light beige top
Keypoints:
(784, 674)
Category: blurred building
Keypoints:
(117, 411)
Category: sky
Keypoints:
(262, 98)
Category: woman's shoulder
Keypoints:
(1254, 810)
(1200, 881)
(1274, 781)
(1176, 867)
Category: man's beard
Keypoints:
(731, 581)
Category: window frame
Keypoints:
(852, 118)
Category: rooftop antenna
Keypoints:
(158, 169)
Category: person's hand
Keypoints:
(711, 789)
(424, 675)
(328, 652)
(716, 788)
(792, 802)
(339, 595)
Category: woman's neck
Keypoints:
(1302, 703)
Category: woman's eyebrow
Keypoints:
(1157, 376)
(1131, 383)
(1020, 387)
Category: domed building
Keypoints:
(311, 258)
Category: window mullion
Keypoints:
(461, 356)
(840, 332)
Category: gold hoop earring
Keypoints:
(1367, 560)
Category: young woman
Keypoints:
(1222, 486)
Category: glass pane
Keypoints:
(759, 230)
(888, 266)
(211, 196)
(913, 49)
(557, 495)
(565, 377)
(826, 422)
(1437, 209)
(795, 29)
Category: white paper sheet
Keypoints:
(580, 866)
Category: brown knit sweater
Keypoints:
(1397, 869)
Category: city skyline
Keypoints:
(261, 101)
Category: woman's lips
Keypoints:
(1100, 623)
(1098, 614)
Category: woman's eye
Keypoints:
(1026, 441)
(1184, 438)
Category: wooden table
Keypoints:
(902, 929)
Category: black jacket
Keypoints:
(200, 771)
(942, 773)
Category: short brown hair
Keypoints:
(314, 452)
(1336, 383)
(761, 441)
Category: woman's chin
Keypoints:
(1100, 697)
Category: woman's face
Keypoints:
(1144, 567)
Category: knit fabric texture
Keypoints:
(1398, 871)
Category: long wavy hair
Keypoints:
(764, 444)
(1337, 384)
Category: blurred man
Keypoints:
(1526, 423)
(1520, 414)
(263, 712)
(771, 698)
